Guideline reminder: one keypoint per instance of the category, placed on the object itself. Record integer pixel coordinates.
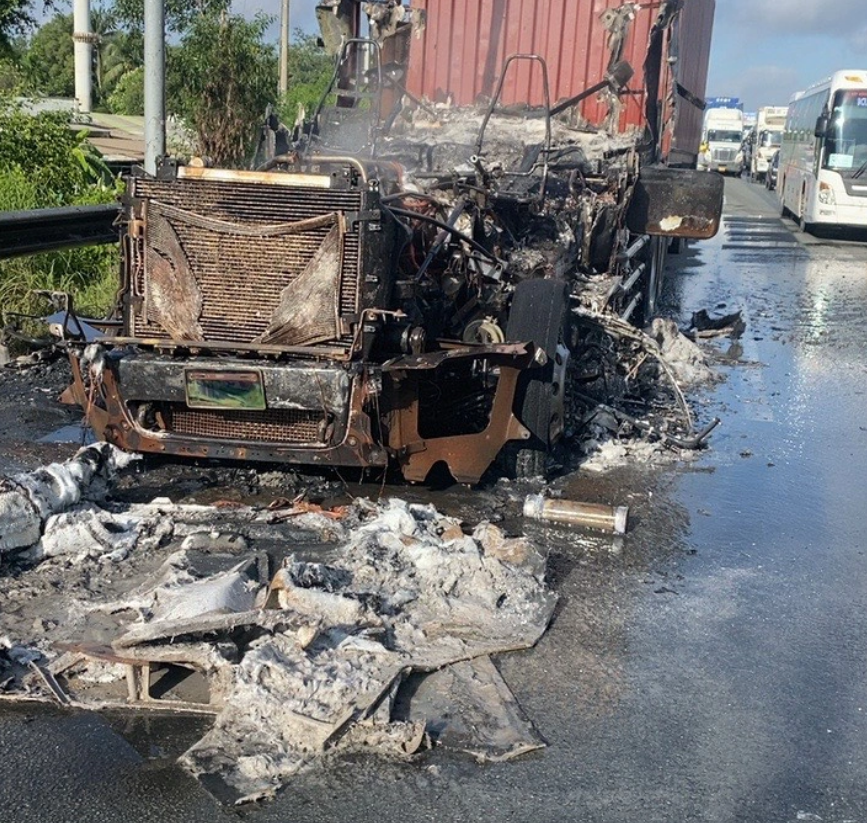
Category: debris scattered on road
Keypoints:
(28, 500)
(593, 515)
(729, 325)
(296, 627)
(685, 358)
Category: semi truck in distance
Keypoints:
(766, 140)
(722, 138)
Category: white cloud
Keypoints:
(764, 85)
(764, 18)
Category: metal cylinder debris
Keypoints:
(593, 515)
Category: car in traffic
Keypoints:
(771, 175)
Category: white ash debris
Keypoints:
(86, 532)
(683, 356)
(185, 595)
(410, 591)
(301, 663)
(608, 453)
(29, 499)
(506, 137)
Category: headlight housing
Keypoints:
(826, 195)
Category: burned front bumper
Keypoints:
(314, 413)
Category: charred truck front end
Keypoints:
(391, 283)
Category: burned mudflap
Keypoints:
(540, 313)
(300, 412)
(456, 408)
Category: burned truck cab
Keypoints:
(262, 321)
(393, 281)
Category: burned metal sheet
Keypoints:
(172, 296)
(676, 203)
(309, 307)
(469, 707)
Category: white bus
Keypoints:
(823, 160)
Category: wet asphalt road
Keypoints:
(711, 667)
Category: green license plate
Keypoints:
(225, 390)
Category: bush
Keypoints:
(310, 71)
(45, 164)
(60, 161)
(12, 80)
(221, 78)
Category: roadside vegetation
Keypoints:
(221, 76)
(45, 164)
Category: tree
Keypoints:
(180, 14)
(310, 70)
(12, 79)
(118, 51)
(49, 64)
(127, 96)
(221, 78)
(15, 18)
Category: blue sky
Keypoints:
(765, 50)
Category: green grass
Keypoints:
(89, 274)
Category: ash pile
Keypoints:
(296, 627)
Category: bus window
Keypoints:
(846, 140)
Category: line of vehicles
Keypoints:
(812, 152)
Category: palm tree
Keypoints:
(116, 51)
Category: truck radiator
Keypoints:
(724, 155)
(290, 426)
(231, 283)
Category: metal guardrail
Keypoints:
(41, 230)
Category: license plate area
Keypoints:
(239, 390)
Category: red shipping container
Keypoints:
(460, 53)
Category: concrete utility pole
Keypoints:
(284, 48)
(155, 83)
(83, 39)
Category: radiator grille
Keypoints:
(291, 426)
(240, 278)
(724, 155)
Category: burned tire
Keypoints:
(538, 315)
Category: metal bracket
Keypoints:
(370, 216)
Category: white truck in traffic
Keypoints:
(767, 139)
(721, 142)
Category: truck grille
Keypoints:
(724, 155)
(291, 426)
(239, 278)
